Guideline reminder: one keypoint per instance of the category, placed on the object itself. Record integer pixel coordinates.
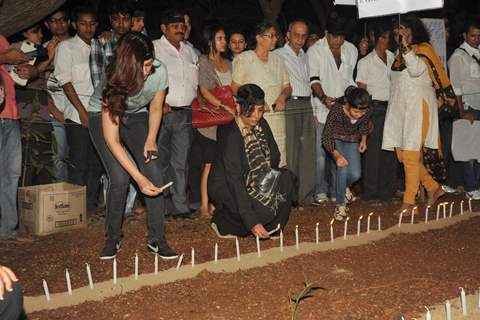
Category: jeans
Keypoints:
(471, 175)
(348, 175)
(60, 151)
(10, 169)
(174, 142)
(325, 167)
(133, 133)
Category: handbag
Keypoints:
(434, 163)
(268, 184)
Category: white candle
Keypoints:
(379, 222)
(463, 300)
(193, 257)
(216, 253)
(156, 263)
(426, 213)
(368, 221)
(136, 266)
(445, 210)
(114, 270)
(428, 316)
(180, 260)
(166, 186)
(451, 209)
(317, 235)
(438, 211)
(400, 218)
(479, 298)
(258, 246)
(297, 245)
(331, 230)
(45, 289)
(237, 245)
(412, 217)
(89, 275)
(69, 283)
(461, 207)
(274, 230)
(345, 228)
(281, 240)
(359, 224)
(470, 205)
(448, 310)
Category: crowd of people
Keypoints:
(313, 120)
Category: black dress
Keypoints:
(236, 212)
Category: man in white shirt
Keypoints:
(175, 136)
(373, 74)
(331, 61)
(300, 132)
(464, 66)
(72, 72)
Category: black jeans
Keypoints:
(133, 133)
(11, 307)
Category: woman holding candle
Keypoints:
(251, 195)
(118, 119)
(345, 137)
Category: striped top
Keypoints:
(298, 70)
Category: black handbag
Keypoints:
(268, 184)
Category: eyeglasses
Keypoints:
(270, 35)
(57, 21)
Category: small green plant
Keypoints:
(296, 297)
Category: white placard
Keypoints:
(345, 2)
(375, 8)
(438, 39)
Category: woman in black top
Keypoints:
(246, 164)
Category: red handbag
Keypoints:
(206, 115)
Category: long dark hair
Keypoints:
(209, 33)
(419, 31)
(125, 74)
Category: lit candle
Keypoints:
(445, 210)
(156, 263)
(470, 205)
(136, 266)
(412, 217)
(368, 221)
(379, 222)
(69, 283)
(317, 235)
(426, 213)
(45, 289)
(479, 298)
(448, 309)
(114, 270)
(359, 223)
(345, 228)
(193, 257)
(237, 245)
(281, 240)
(297, 245)
(401, 217)
(216, 253)
(179, 263)
(438, 211)
(463, 300)
(258, 246)
(331, 230)
(89, 275)
(461, 207)
(428, 315)
(451, 209)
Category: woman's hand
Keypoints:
(147, 187)
(362, 147)
(406, 36)
(150, 151)
(259, 230)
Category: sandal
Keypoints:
(405, 208)
(433, 197)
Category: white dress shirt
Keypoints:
(372, 71)
(182, 66)
(298, 70)
(324, 70)
(465, 75)
(72, 65)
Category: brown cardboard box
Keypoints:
(50, 208)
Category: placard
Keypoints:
(375, 8)
(345, 2)
(438, 40)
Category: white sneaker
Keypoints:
(349, 197)
(475, 195)
(340, 213)
(448, 189)
(320, 199)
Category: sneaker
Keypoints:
(214, 227)
(349, 197)
(475, 194)
(448, 189)
(110, 250)
(162, 249)
(320, 199)
(340, 213)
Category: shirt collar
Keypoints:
(291, 52)
(471, 50)
(167, 43)
(80, 42)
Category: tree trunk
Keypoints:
(271, 9)
(322, 9)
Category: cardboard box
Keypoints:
(50, 208)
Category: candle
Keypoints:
(470, 205)
(331, 230)
(463, 300)
(479, 298)
(400, 218)
(136, 266)
(258, 246)
(156, 263)
(237, 245)
(89, 275)
(451, 209)
(379, 222)
(216, 253)
(368, 221)
(359, 223)
(426, 213)
(297, 245)
(166, 186)
(461, 207)
(45, 289)
(438, 211)
(345, 228)
(281, 240)
(412, 217)
(179, 263)
(193, 257)
(428, 315)
(448, 309)
(445, 210)
(114, 270)
(274, 230)
(317, 236)
(69, 283)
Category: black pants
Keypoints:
(229, 221)
(133, 133)
(379, 180)
(11, 307)
(85, 168)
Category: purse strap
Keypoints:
(435, 74)
(471, 55)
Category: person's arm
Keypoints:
(282, 98)
(72, 96)
(13, 56)
(52, 45)
(316, 79)
(458, 73)
(52, 108)
(362, 74)
(7, 277)
(203, 69)
(328, 141)
(154, 120)
(238, 73)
